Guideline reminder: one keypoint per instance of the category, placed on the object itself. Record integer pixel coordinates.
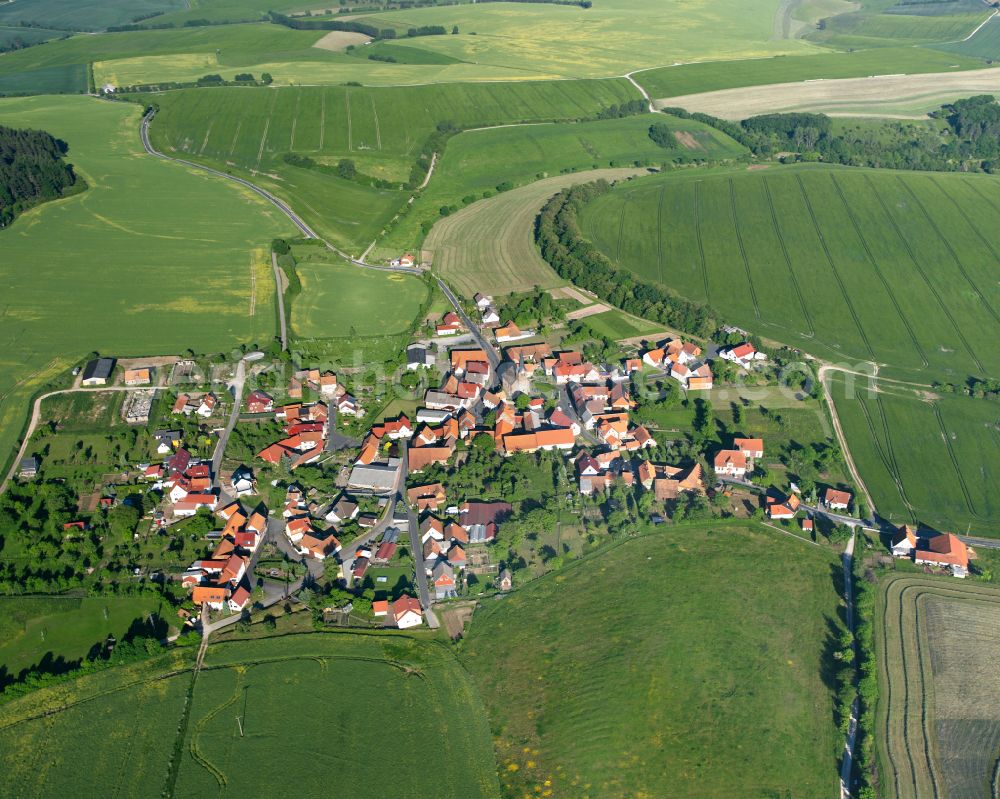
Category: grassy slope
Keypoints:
(339, 298)
(315, 677)
(83, 15)
(382, 130)
(985, 44)
(478, 161)
(636, 673)
(885, 266)
(104, 271)
(64, 628)
(711, 76)
(899, 438)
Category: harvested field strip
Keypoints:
(910, 748)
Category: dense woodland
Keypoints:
(32, 171)
(577, 260)
(970, 142)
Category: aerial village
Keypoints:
(398, 523)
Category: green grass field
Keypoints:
(985, 44)
(151, 259)
(419, 698)
(339, 300)
(938, 724)
(878, 23)
(83, 15)
(36, 627)
(478, 161)
(382, 130)
(489, 246)
(851, 265)
(684, 664)
(899, 437)
(354, 695)
(715, 75)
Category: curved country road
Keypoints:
(281, 205)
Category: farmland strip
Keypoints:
(236, 135)
(263, 141)
(885, 283)
(954, 462)
(322, 119)
(833, 267)
(743, 251)
(926, 681)
(888, 460)
(916, 265)
(788, 260)
(295, 119)
(204, 142)
(701, 243)
(621, 228)
(659, 235)
(347, 102)
(951, 250)
(378, 130)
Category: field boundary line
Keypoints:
(378, 129)
(787, 257)
(208, 131)
(263, 141)
(253, 284)
(922, 273)
(659, 234)
(322, 120)
(350, 132)
(743, 251)
(295, 121)
(878, 271)
(927, 689)
(833, 267)
(236, 135)
(621, 230)
(701, 243)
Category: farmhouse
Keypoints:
(904, 542)
(137, 377)
(743, 355)
(944, 550)
(837, 500)
(97, 372)
(419, 357)
(259, 402)
(731, 463)
(406, 612)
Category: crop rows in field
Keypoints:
(938, 721)
(242, 126)
(984, 44)
(928, 458)
(855, 265)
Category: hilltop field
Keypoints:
(854, 265)
(151, 259)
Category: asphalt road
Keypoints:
(488, 348)
(234, 415)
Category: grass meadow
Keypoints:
(339, 300)
(33, 628)
(926, 457)
(715, 75)
(355, 696)
(703, 676)
(938, 724)
(152, 258)
(383, 130)
(83, 15)
(852, 265)
(985, 43)
(489, 246)
(477, 161)
(880, 23)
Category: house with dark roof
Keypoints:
(98, 372)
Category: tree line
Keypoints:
(32, 170)
(576, 259)
(969, 142)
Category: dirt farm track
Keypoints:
(906, 95)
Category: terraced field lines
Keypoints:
(833, 267)
(951, 251)
(788, 261)
(878, 272)
(743, 250)
(954, 462)
(916, 265)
